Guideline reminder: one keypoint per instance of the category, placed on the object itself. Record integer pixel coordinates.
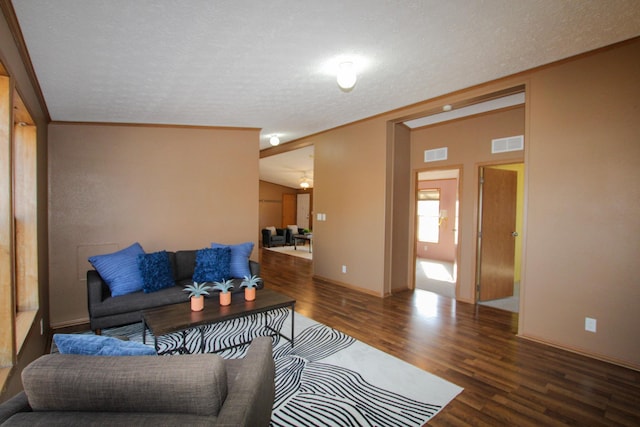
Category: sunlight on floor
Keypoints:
(427, 303)
(436, 271)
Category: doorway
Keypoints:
(499, 247)
(436, 231)
(303, 210)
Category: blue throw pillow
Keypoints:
(212, 265)
(239, 258)
(120, 269)
(98, 345)
(156, 271)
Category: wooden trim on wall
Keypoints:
(152, 125)
(284, 148)
(12, 21)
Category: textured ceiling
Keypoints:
(266, 64)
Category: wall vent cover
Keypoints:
(510, 143)
(435, 155)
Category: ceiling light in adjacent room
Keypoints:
(304, 182)
(274, 140)
(346, 76)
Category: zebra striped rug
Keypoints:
(328, 378)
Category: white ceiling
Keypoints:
(266, 64)
(288, 168)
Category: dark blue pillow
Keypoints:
(212, 265)
(120, 270)
(156, 271)
(98, 345)
(239, 258)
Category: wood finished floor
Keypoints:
(507, 380)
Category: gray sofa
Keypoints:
(189, 390)
(106, 311)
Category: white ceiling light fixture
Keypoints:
(304, 182)
(274, 140)
(346, 76)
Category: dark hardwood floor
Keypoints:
(507, 380)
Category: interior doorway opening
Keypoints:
(436, 236)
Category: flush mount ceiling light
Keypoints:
(304, 182)
(274, 140)
(346, 75)
(346, 69)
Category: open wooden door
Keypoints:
(288, 209)
(497, 232)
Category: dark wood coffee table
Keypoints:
(179, 317)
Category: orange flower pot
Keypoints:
(225, 298)
(197, 303)
(249, 294)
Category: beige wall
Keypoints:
(35, 342)
(582, 148)
(469, 146)
(166, 187)
(349, 182)
(583, 215)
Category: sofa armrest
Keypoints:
(18, 403)
(252, 392)
(97, 289)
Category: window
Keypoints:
(429, 215)
(7, 306)
(19, 296)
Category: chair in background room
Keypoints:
(272, 236)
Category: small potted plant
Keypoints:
(224, 287)
(250, 284)
(197, 292)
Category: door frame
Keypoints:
(414, 220)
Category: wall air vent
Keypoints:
(510, 143)
(435, 155)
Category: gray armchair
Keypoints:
(279, 238)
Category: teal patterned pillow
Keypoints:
(212, 265)
(156, 271)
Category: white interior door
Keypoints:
(303, 210)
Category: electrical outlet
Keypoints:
(589, 324)
(344, 269)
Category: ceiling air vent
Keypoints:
(435, 155)
(510, 143)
